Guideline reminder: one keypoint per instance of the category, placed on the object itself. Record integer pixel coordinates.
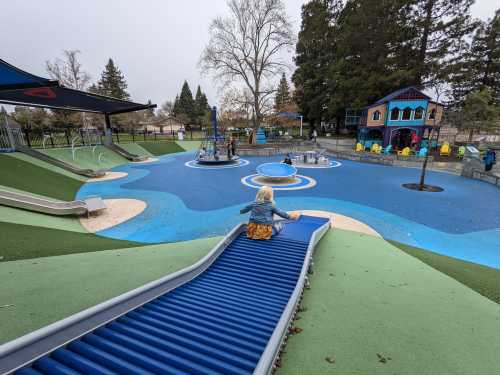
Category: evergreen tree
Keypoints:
(441, 28)
(186, 104)
(201, 105)
(373, 56)
(314, 52)
(479, 112)
(282, 98)
(112, 83)
(176, 109)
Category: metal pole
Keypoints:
(107, 130)
(301, 125)
(214, 122)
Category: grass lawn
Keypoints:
(482, 279)
(45, 290)
(161, 148)
(372, 309)
(27, 176)
(27, 241)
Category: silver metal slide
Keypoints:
(59, 163)
(127, 155)
(31, 203)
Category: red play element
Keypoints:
(42, 92)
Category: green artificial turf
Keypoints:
(135, 149)
(26, 241)
(17, 216)
(189, 145)
(51, 167)
(373, 309)
(23, 175)
(38, 292)
(88, 157)
(161, 148)
(482, 279)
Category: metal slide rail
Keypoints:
(27, 202)
(127, 155)
(270, 355)
(228, 313)
(59, 163)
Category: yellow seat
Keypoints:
(445, 149)
(359, 147)
(404, 152)
(376, 148)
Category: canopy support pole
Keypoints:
(108, 136)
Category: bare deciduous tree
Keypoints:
(246, 45)
(166, 110)
(68, 71)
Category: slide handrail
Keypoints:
(270, 354)
(127, 155)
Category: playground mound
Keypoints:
(109, 176)
(338, 221)
(117, 212)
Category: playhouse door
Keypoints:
(401, 138)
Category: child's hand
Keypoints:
(295, 215)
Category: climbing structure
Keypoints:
(214, 147)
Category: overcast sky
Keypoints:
(156, 43)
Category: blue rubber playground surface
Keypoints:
(186, 203)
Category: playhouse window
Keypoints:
(376, 116)
(432, 114)
(395, 114)
(406, 114)
(419, 113)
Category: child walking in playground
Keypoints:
(260, 226)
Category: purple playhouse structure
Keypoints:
(399, 118)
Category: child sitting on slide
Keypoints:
(260, 225)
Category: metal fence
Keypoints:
(5, 141)
(77, 137)
(71, 137)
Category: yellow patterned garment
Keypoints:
(259, 231)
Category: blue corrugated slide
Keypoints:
(227, 314)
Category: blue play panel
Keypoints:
(187, 203)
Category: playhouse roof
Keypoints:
(406, 93)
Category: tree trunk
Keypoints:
(471, 134)
(424, 41)
(424, 166)
(256, 121)
(422, 175)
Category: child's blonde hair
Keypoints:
(265, 194)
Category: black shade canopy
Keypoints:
(21, 88)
